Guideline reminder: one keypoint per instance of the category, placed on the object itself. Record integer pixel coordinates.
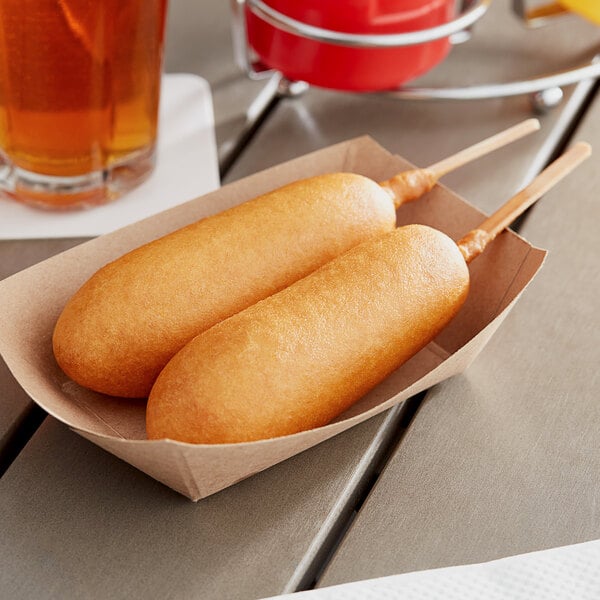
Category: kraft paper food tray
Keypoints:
(31, 301)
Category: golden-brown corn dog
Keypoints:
(301, 357)
(120, 329)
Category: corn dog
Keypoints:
(301, 357)
(120, 329)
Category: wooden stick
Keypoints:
(484, 147)
(473, 244)
(412, 184)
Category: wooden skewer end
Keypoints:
(473, 244)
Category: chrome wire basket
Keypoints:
(545, 90)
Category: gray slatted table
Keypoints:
(17, 410)
(79, 522)
(504, 459)
(198, 40)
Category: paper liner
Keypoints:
(31, 301)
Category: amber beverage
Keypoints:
(79, 94)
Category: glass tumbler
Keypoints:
(79, 95)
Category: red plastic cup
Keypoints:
(351, 68)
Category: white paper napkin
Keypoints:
(186, 167)
(569, 572)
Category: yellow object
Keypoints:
(590, 9)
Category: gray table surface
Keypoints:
(504, 458)
(496, 461)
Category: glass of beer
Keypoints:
(79, 94)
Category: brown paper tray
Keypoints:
(31, 301)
